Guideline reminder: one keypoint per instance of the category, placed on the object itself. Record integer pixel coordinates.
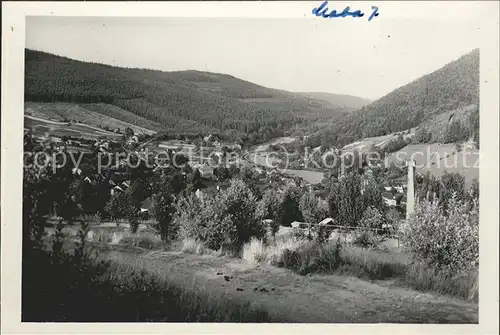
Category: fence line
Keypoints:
(337, 226)
(347, 228)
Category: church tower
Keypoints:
(410, 196)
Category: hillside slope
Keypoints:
(98, 115)
(183, 101)
(454, 86)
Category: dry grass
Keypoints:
(192, 246)
(143, 239)
(423, 278)
(308, 257)
(256, 251)
(372, 264)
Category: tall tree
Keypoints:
(290, 206)
(310, 208)
(346, 201)
(163, 209)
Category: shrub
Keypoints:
(269, 207)
(365, 236)
(162, 209)
(275, 250)
(310, 207)
(446, 239)
(134, 225)
(290, 206)
(145, 241)
(120, 205)
(312, 257)
(322, 233)
(393, 218)
(371, 218)
(254, 251)
(227, 220)
(92, 219)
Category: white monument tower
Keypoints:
(410, 196)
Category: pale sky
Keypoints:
(366, 59)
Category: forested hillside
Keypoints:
(454, 86)
(185, 101)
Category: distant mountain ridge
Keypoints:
(341, 100)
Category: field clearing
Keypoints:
(378, 141)
(312, 177)
(279, 140)
(259, 156)
(313, 298)
(68, 111)
(439, 158)
(54, 128)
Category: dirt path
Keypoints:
(324, 299)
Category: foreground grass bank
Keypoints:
(72, 289)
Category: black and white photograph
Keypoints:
(323, 169)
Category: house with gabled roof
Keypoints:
(125, 184)
(116, 189)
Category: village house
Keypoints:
(116, 190)
(206, 171)
(399, 189)
(125, 184)
(76, 171)
(199, 194)
(267, 221)
(390, 202)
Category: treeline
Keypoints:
(453, 86)
(175, 100)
